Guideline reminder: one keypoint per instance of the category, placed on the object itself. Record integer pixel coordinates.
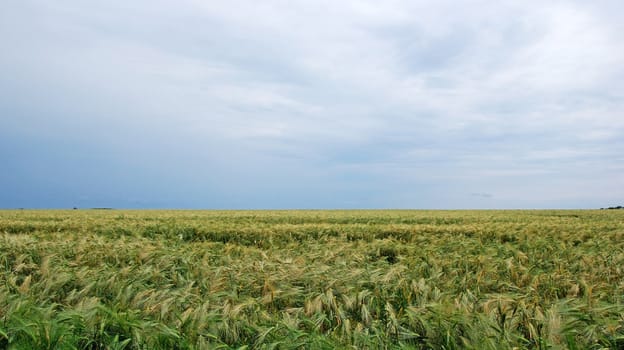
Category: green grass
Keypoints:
(111, 279)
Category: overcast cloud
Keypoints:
(311, 104)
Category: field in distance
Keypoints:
(122, 279)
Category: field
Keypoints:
(112, 279)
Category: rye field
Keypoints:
(121, 279)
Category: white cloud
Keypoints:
(402, 91)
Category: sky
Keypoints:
(311, 104)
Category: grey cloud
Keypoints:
(410, 103)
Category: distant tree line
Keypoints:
(618, 207)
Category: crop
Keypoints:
(121, 279)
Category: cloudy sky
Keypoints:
(311, 104)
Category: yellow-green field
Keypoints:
(111, 279)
